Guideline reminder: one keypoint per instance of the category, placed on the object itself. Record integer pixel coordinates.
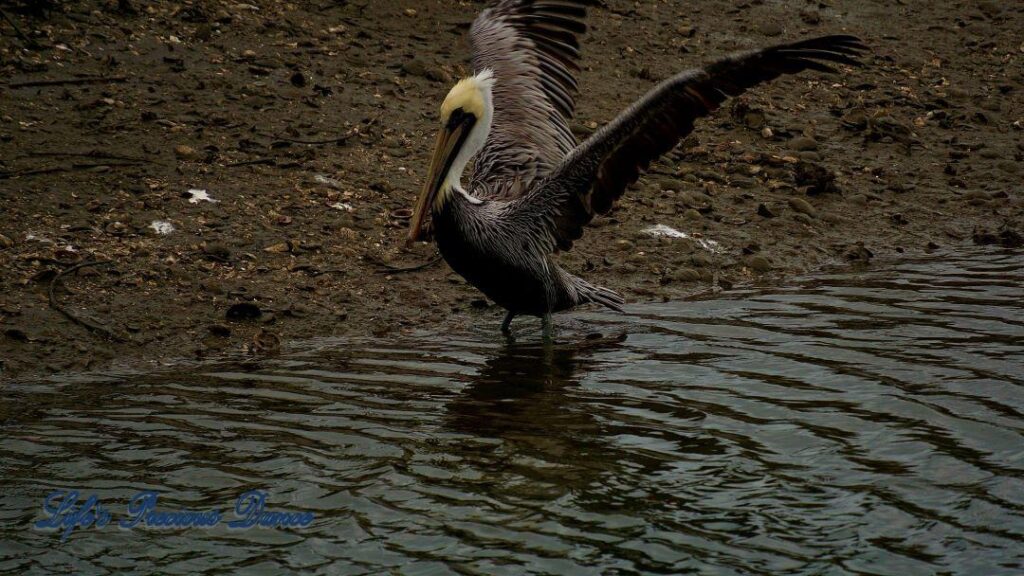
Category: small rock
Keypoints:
(17, 334)
(265, 342)
(686, 275)
(423, 69)
(701, 260)
(760, 264)
(802, 144)
(1006, 237)
(298, 80)
(203, 32)
(243, 311)
(803, 219)
(802, 206)
(185, 152)
(691, 214)
(858, 253)
(279, 248)
(217, 251)
(816, 178)
(220, 330)
(5, 242)
(764, 211)
(771, 29)
(977, 197)
(811, 16)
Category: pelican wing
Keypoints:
(532, 48)
(597, 172)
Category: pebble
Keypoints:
(771, 29)
(802, 206)
(764, 211)
(279, 248)
(243, 311)
(691, 214)
(977, 197)
(686, 275)
(217, 251)
(1009, 166)
(742, 182)
(421, 68)
(5, 242)
(760, 264)
(858, 253)
(701, 259)
(803, 144)
(811, 16)
(203, 32)
(186, 152)
(817, 178)
(803, 219)
(219, 330)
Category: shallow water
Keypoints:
(863, 423)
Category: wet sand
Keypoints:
(308, 125)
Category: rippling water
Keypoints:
(867, 423)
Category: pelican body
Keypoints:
(534, 187)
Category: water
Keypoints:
(866, 423)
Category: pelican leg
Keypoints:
(547, 327)
(506, 326)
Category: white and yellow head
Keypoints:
(465, 123)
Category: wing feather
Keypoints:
(597, 172)
(532, 47)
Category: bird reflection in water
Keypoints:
(528, 397)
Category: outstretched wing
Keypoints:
(532, 48)
(597, 172)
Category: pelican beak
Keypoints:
(449, 141)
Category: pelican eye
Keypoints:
(459, 116)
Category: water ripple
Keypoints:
(864, 423)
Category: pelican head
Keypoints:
(465, 122)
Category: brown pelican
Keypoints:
(534, 187)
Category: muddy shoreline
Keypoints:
(307, 127)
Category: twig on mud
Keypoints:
(92, 154)
(68, 314)
(65, 168)
(31, 43)
(68, 81)
(268, 161)
(33, 172)
(390, 269)
(340, 140)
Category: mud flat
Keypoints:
(239, 170)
